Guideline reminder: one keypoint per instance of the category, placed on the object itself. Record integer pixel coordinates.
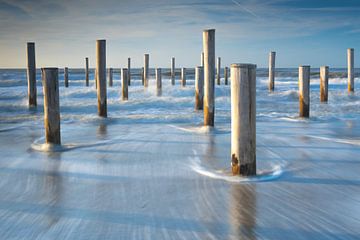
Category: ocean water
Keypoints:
(152, 171)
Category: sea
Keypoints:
(151, 170)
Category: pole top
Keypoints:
(101, 40)
(351, 49)
(304, 66)
(209, 30)
(243, 65)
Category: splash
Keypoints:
(262, 176)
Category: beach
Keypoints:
(151, 170)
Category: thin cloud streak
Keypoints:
(244, 8)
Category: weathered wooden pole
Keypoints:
(243, 119)
(124, 83)
(183, 77)
(218, 69)
(101, 77)
(202, 59)
(324, 81)
(209, 76)
(66, 77)
(350, 59)
(87, 72)
(226, 75)
(31, 74)
(304, 91)
(199, 87)
(146, 70)
(50, 82)
(272, 71)
(110, 74)
(129, 71)
(172, 72)
(158, 78)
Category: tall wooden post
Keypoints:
(66, 77)
(129, 71)
(183, 77)
(110, 74)
(226, 75)
(324, 81)
(209, 76)
(124, 83)
(304, 91)
(172, 73)
(50, 82)
(218, 69)
(350, 58)
(87, 72)
(202, 59)
(146, 70)
(199, 87)
(158, 78)
(272, 71)
(101, 77)
(31, 74)
(243, 119)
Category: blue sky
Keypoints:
(300, 31)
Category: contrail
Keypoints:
(245, 9)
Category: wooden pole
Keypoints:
(87, 72)
(183, 77)
(129, 71)
(350, 58)
(31, 74)
(202, 59)
(50, 82)
(199, 87)
(304, 91)
(101, 77)
(110, 73)
(146, 70)
(158, 78)
(172, 71)
(124, 83)
(66, 77)
(324, 80)
(209, 76)
(272, 71)
(218, 69)
(226, 75)
(243, 119)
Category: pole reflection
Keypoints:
(101, 131)
(53, 187)
(243, 211)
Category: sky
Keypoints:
(302, 32)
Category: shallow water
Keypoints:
(151, 171)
